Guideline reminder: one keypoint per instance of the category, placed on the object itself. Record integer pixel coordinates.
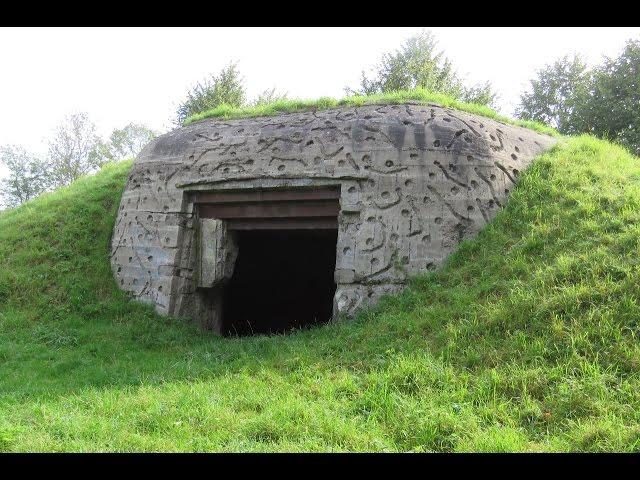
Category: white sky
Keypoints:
(122, 75)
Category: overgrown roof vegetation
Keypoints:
(527, 339)
(417, 63)
(417, 95)
(416, 72)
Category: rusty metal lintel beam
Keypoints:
(270, 210)
(283, 224)
(278, 195)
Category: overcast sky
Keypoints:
(122, 75)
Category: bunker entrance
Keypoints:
(283, 280)
(267, 259)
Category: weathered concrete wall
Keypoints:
(415, 181)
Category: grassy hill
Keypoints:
(527, 339)
(415, 95)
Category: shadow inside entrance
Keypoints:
(283, 280)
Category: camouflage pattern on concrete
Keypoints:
(415, 181)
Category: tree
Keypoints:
(614, 105)
(482, 94)
(28, 176)
(127, 142)
(558, 96)
(604, 101)
(269, 96)
(225, 88)
(75, 150)
(418, 64)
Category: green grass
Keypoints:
(526, 340)
(418, 95)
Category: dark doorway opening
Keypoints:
(283, 280)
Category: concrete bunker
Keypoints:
(264, 224)
(267, 258)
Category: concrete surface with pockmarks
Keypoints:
(415, 180)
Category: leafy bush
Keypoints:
(417, 64)
(226, 88)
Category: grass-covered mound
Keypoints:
(526, 340)
(417, 95)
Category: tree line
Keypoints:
(75, 149)
(603, 100)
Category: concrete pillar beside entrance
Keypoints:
(217, 253)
